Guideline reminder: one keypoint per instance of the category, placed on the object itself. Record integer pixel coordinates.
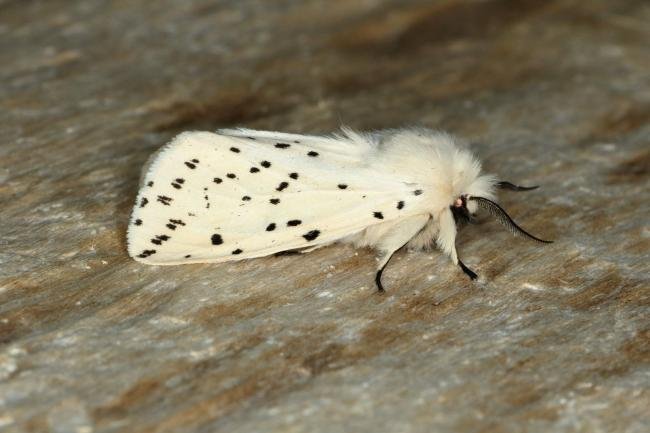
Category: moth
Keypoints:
(241, 193)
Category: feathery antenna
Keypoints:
(512, 187)
(504, 219)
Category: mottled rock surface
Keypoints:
(552, 339)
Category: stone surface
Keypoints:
(549, 339)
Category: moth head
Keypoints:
(463, 210)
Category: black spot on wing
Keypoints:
(144, 201)
(251, 138)
(146, 253)
(246, 198)
(282, 145)
(282, 186)
(270, 227)
(265, 164)
(234, 149)
(177, 222)
(188, 256)
(170, 226)
(312, 153)
(150, 183)
(138, 222)
(178, 182)
(190, 165)
(417, 192)
(293, 223)
(378, 215)
(231, 175)
(217, 180)
(237, 251)
(293, 175)
(342, 186)
(195, 161)
(164, 200)
(274, 201)
(159, 239)
(254, 170)
(216, 239)
(400, 204)
(311, 235)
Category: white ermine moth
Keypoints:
(240, 193)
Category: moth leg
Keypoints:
(380, 287)
(396, 237)
(382, 266)
(447, 241)
(467, 270)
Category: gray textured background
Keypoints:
(553, 339)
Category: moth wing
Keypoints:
(210, 197)
(346, 145)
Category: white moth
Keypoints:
(240, 193)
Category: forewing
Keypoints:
(215, 197)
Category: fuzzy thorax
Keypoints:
(444, 169)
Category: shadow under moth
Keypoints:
(239, 193)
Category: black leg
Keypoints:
(467, 270)
(380, 287)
